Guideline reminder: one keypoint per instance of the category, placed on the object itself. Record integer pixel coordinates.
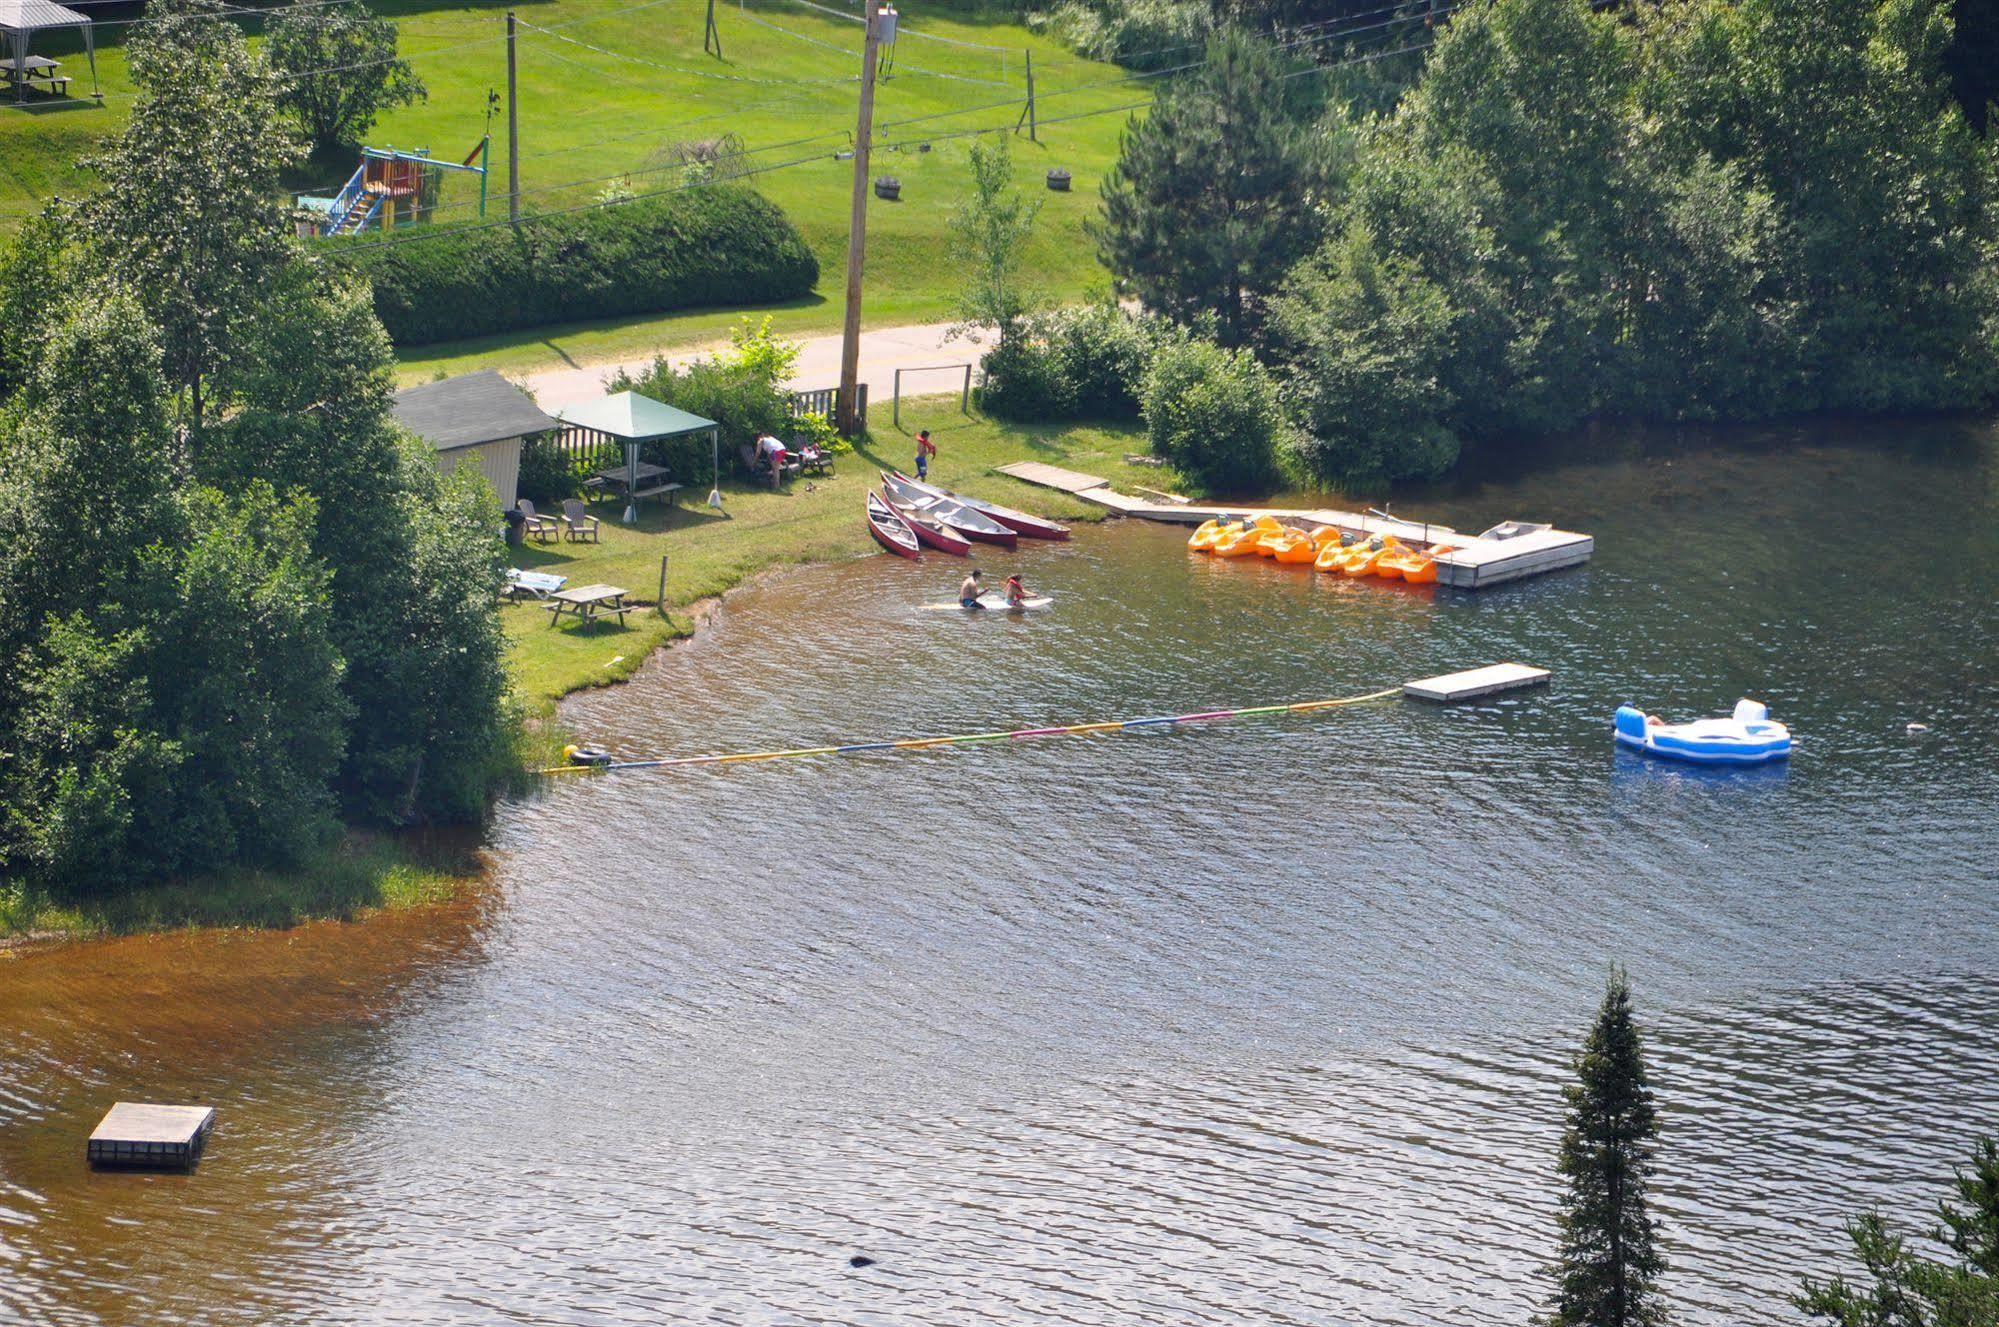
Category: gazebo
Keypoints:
(634, 420)
(22, 19)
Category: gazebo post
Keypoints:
(715, 465)
(90, 52)
(631, 482)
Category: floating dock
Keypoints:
(140, 1134)
(1491, 679)
(1507, 552)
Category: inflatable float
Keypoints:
(1749, 737)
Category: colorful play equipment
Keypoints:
(1325, 547)
(1748, 737)
(388, 188)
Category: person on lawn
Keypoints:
(925, 449)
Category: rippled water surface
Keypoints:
(1261, 1021)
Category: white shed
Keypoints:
(478, 419)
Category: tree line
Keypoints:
(1702, 210)
(237, 602)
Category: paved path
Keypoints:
(883, 351)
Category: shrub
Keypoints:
(1214, 414)
(1084, 363)
(715, 246)
(742, 390)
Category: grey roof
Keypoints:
(633, 417)
(29, 15)
(468, 410)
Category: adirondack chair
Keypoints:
(582, 526)
(544, 528)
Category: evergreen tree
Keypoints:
(1908, 1290)
(1608, 1262)
(1217, 190)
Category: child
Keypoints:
(925, 449)
(1016, 593)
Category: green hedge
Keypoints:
(721, 245)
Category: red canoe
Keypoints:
(1034, 527)
(885, 523)
(934, 533)
(947, 510)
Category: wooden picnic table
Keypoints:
(34, 71)
(589, 602)
(652, 483)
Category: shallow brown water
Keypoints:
(1257, 1022)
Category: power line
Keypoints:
(692, 73)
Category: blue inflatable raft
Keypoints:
(1749, 737)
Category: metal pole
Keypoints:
(965, 397)
(715, 465)
(712, 33)
(661, 600)
(857, 233)
(1031, 137)
(896, 411)
(513, 133)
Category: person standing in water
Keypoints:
(969, 592)
(925, 449)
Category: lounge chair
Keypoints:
(533, 584)
(583, 527)
(545, 528)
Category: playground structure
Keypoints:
(389, 188)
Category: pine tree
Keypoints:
(1608, 1261)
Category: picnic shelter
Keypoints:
(631, 420)
(20, 20)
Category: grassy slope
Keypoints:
(708, 554)
(586, 115)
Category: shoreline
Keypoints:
(366, 872)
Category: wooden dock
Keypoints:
(1485, 681)
(1473, 563)
(145, 1135)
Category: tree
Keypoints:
(1217, 190)
(335, 109)
(1214, 413)
(989, 235)
(1906, 1289)
(190, 218)
(1607, 1262)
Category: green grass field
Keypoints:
(608, 88)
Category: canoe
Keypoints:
(934, 533)
(950, 511)
(885, 523)
(1020, 522)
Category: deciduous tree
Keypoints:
(337, 69)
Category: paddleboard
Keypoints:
(993, 606)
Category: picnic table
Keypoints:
(34, 71)
(652, 483)
(587, 603)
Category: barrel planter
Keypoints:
(889, 187)
(1058, 180)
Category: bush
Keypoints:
(741, 390)
(1085, 363)
(1213, 414)
(721, 245)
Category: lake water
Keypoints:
(1258, 1021)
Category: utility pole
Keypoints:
(1032, 137)
(513, 133)
(848, 407)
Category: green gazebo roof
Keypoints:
(633, 417)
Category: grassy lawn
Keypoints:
(709, 553)
(591, 117)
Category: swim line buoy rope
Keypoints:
(965, 739)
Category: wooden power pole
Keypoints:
(847, 410)
(513, 133)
